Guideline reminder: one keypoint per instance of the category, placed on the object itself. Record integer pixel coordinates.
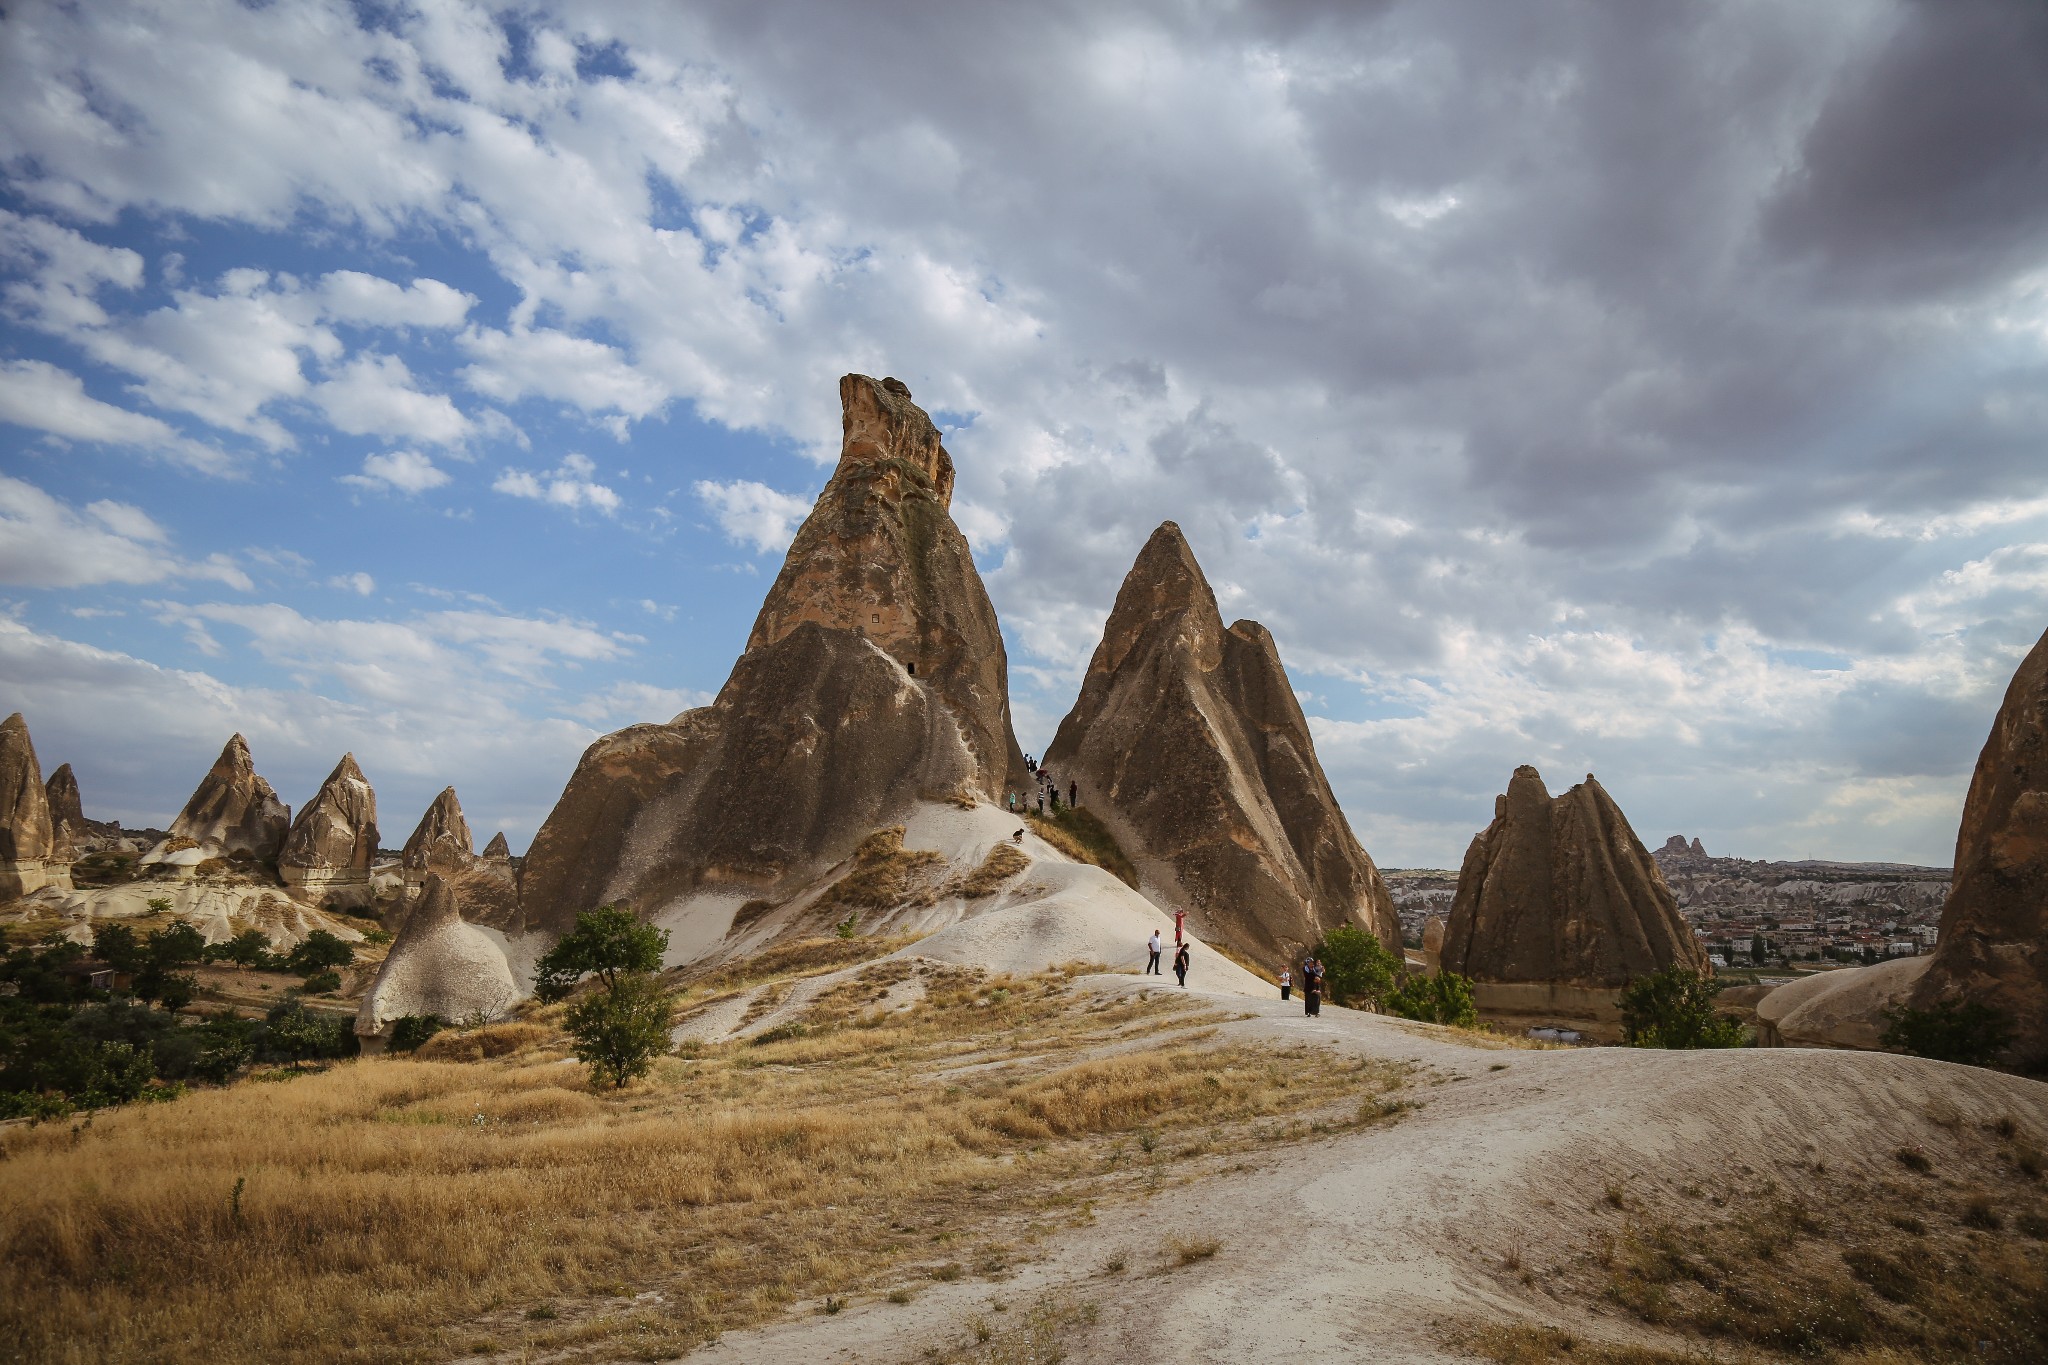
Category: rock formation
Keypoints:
(1841, 1008)
(68, 830)
(329, 849)
(874, 677)
(233, 813)
(440, 846)
(1188, 743)
(1561, 892)
(27, 861)
(438, 965)
(1993, 943)
(497, 849)
(441, 842)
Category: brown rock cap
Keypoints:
(67, 814)
(1562, 891)
(26, 835)
(441, 842)
(337, 830)
(1187, 741)
(233, 809)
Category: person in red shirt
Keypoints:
(1179, 916)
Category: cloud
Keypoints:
(46, 544)
(549, 364)
(374, 395)
(753, 513)
(567, 485)
(38, 395)
(403, 471)
(351, 296)
(357, 582)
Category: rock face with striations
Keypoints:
(27, 858)
(329, 849)
(874, 677)
(1188, 743)
(232, 812)
(68, 830)
(1993, 943)
(1562, 892)
(438, 964)
(441, 842)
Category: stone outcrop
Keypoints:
(440, 843)
(1561, 892)
(233, 813)
(874, 677)
(68, 830)
(329, 849)
(1993, 942)
(438, 964)
(1188, 743)
(1842, 1008)
(497, 849)
(28, 859)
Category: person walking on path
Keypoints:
(1179, 917)
(1312, 988)
(1152, 967)
(1073, 793)
(1286, 983)
(1180, 965)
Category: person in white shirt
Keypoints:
(1152, 967)
(1286, 983)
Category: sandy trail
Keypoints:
(1356, 1247)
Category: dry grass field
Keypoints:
(481, 1199)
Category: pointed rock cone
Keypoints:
(497, 850)
(330, 847)
(26, 837)
(874, 678)
(442, 841)
(68, 831)
(233, 810)
(1563, 893)
(1188, 743)
(1993, 944)
(438, 964)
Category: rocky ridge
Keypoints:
(329, 849)
(232, 813)
(28, 857)
(1188, 743)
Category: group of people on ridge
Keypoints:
(1311, 985)
(1311, 967)
(1048, 790)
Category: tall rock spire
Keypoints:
(233, 810)
(67, 815)
(27, 859)
(441, 842)
(1993, 943)
(1562, 892)
(874, 678)
(331, 845)
(1187, 741)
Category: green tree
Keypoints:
(1445, 998)
(607, 942)
(1357, 968)
(250, 948)
(1967, 1031)
(408, 1031)
(1674, 1008)
(1758, 949)
(295, 1034)
(317, 952)
(117, 946)
(621, 1027)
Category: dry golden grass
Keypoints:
(1085, 839)
(885, 875)
(401, 1208)
(1003, 862)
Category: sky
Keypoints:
(1652, 391)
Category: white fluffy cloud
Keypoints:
(402, 471)
(38, 395)
(46, 544)
(569, 484)
(370, 300)
(374, 395)
(753, 513)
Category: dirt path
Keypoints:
(1361, 1247)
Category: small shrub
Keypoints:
(323, 983)
(1445, 998)
(899, 1296)
(2033, 1225)
(1188, 1250)
(1674, 1008)
(317, 952)
(408, 1031)
(947, 1273)
(1979, 1213)
(1970, 1032)
(1914, 1159)
(1358, 969)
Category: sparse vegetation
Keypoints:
(1359, 971)
(1076, 832)
(622, 1026)
(1971, 1032)
(409, 1031)
(1445, 998)
(1674, 1008)
(885, 875)
(1003, 862)
(741, 1181)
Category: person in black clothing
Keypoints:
(1312, 987)
(1180, 965)
(1073, 793)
